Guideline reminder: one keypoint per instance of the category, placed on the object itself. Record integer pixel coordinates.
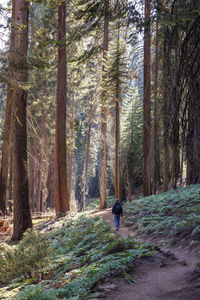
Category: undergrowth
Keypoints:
(175, 213)
(26, 260)
(72, 261)
(93, 203)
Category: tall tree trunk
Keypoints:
(117, 146)
(50, 183)
(71, 154)
(41, 170)
(39, 188)
(181, 167)
(85, 172)
(193, 138)
(155, 137)
(7, 128)
(31, 177)
(166, 112)
(175, 143)
(193, 72)
(117, 130)
(60, 140)
(22, 216)
(146, 103)
(10, 188)
(5, 153)
(128, 182)
(175, 107)
(103, 167)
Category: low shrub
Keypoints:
(28, 259)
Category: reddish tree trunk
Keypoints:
(85, 173)
(60, 140)
(71, 155)
(50, 183)
(7, 130)
(5, 153)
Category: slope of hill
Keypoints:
(175, 215)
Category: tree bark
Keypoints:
(128, 182)
(10, 189)
(117, 149)
(117, 130)
(5, 153)
(50, 183)
(146, 103)
(71, 154)
(166, 112)
(7, 127)
(60, 140)
(85, 172)
(155, 137)
(22, 216)
(193, 138)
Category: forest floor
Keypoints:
(171, 276)
(169, 271)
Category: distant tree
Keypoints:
(131, 140)
(70, 149)
(87, 152)
(114, 78)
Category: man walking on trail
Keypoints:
(117, 211)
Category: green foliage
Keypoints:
(115, 73)
(131, 137)
(128, 278)
(28, 259)
(175, 213)
(85, 251)
(93, 204)
(37, 292)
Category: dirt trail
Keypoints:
(152, 282)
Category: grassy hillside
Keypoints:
(67, 258)
(66, 263)
(175, 214)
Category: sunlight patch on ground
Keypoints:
(100, 212)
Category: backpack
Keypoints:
(117, 208)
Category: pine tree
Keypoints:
(115, 76)
(131, 141)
